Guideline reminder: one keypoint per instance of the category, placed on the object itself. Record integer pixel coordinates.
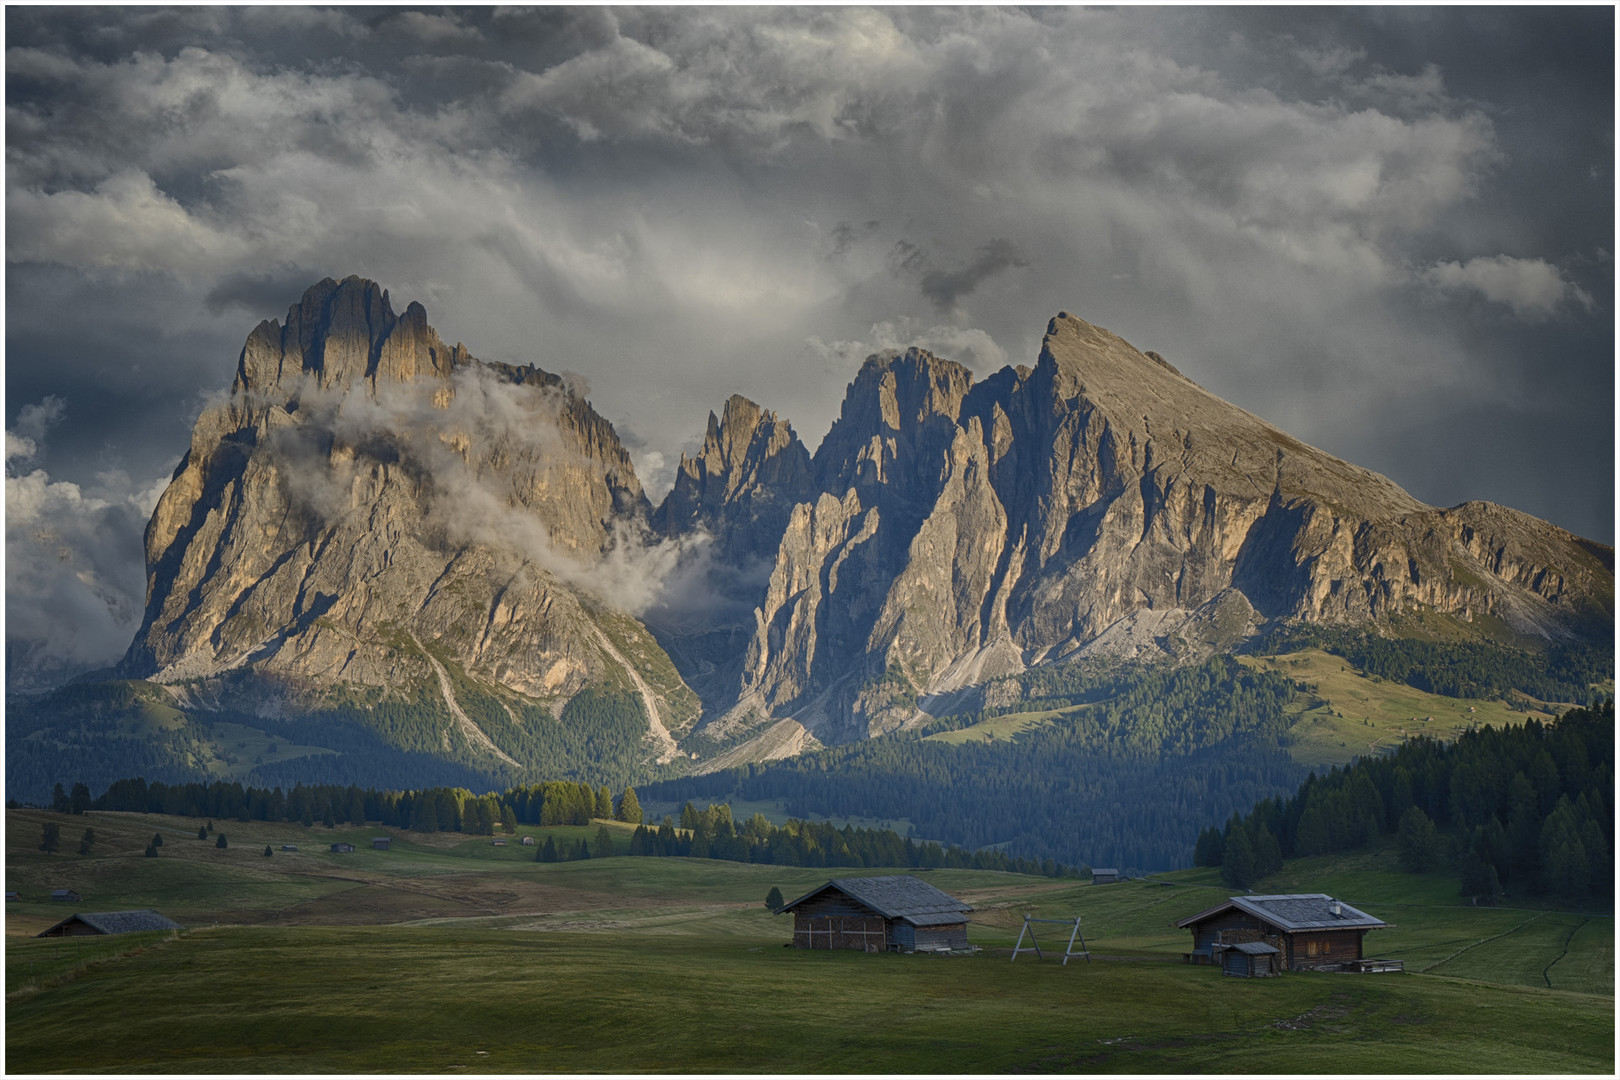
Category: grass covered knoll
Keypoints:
(319, 999)
(447, 953)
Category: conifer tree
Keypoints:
(267, 852)
(773, 899)
(86, 840)
(221, 842)
(604, 842)
(630, 807)
(548, 851)
(157, 839)
(52, 837)
(202, 832)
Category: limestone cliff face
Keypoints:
(1101, 502)
(370, 506)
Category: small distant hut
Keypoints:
(85, 924)
(528, 841)
(381, 842)
(341, 847)
(66, 895)
(12, 896)
(1305, 931)
(497, 842)
(898, 913)
(1104, 875)
(289, 847)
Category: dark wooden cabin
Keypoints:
(381, 842)
(1104, 875)
(66, 896)
(1309, 931)
(110, 922)
(899, 913)
(340, 846)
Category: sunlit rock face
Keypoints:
(371, 508)
(369, 505)
(1101, 503)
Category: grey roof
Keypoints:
(1253, 948)
(897, 896)
(1295, 911)
(1104, 870)
(120, 922)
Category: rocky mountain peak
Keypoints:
(340, 333)
(751, 463)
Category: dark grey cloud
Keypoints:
(1389, 230)
(944, 288)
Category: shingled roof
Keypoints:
(118, 922)
(1295, 911)
(897, 896)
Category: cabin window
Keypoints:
(1327, 947)
(1310, 948)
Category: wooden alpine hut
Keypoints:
(1305, 931)
(110, 922)
(899, 913)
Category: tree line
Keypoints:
(711, 833)
(1522, 809)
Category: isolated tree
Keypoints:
(59, 800)
(79, 799)
(86, 840)
(52, 838)
(157, 839)
(508, 820)
(604, 842)
(630, 807)
(267, 852)
(773, 899)
(1417, 841)
(202, 832)
(604, 802)
(151, 851)
(220, 843)
(548, 851)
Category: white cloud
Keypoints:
(75, 580)
(1533, 288)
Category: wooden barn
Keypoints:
(341, 847)
(110, 922)
(381, 842)
(1305, 931)
(1104, 875)
(899, 913)
(66, 895)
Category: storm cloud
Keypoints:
(1387, 230)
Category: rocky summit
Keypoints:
(374, 516)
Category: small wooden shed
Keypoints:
(1104, 875)
(528, 841)
(381, 842)
(289, 847)
(1249, 959)
(86, 924)
(897, 913)
(66, 895)
(341, 847)
(1309, 931)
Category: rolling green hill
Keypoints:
(446, 952)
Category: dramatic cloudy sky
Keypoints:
(1388, 230)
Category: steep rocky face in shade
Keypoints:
(369, 506)
(1100, 502)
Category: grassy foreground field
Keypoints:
(447, 954)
